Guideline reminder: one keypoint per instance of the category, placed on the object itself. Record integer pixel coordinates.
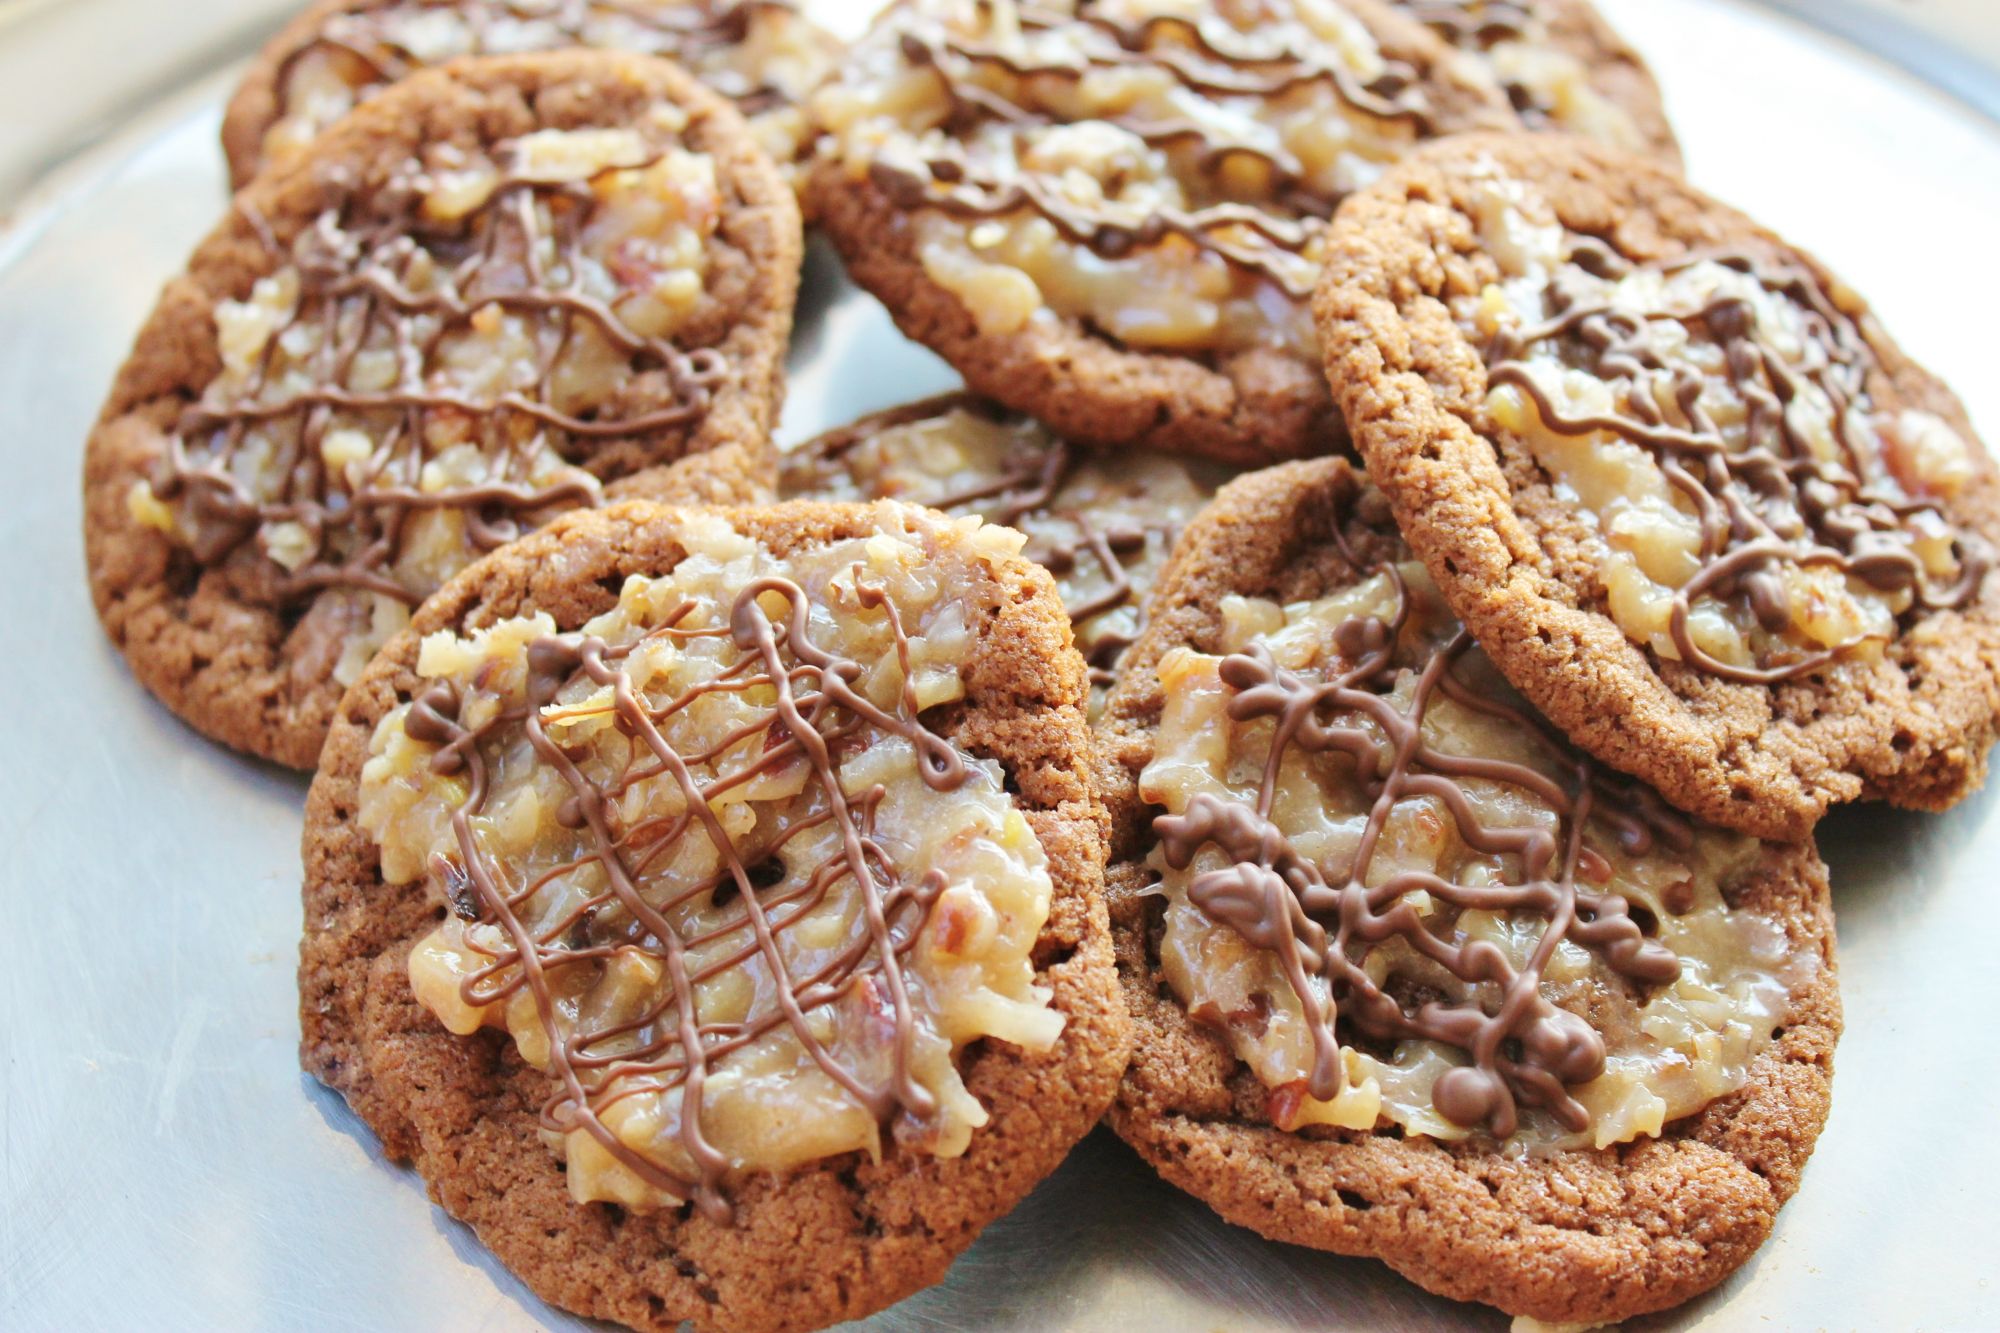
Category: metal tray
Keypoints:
(165, 1164)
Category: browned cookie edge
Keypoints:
(1566, 1237)
(1246, 408)
(253, 108)
(827, 1242)
(1914, 729)
(210, 646)
(1618, 73)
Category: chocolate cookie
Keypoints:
(883, 931)
(761, 54)
(1673, 475)
(1102, 524)
(499, 291)
(1413, 979)
(1563, 67)
(1105, 213)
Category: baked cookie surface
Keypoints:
(1104, 213)
(1412, 978)
(884, 931)
(1563, 67)
(763, 55)
(1675, 477)
(496, 292)
(1101, 524)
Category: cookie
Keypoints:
(1412, 978)
(1563, 66)
(887, 921)
(1104, 213)
(1102, 524)
(761, 54)
(496, 292)
(1675, 477)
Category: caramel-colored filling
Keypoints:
(1755, 512)
(1399, 922)
(1550, 87)
(759, 53)
(1155, 169)
(418, 381)
(1103, 525)
(705, 848)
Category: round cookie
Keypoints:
(358, 385)
(1101, 524)
(968, 809)
(1673, 475)
(761, 54)
(1104, 213)
(1412, 979)
(1563, 66)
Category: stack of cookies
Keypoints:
(1345, 692)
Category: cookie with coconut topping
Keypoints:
(1101, 524)
(1413, 978)
(497, 292)
(763, 55)
(1676, 479)
(1104, 213)
(1563, 67)
(719, 892)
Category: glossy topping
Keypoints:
(1101, 524)
(1155, 170)
(1474, 23)
(1759, 516)
(431, 368)
(1550, 87)
(761, 54)
(1406, 902)
(704, 852)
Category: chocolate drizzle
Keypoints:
(1031, 487)
(1036, 489)
(1472, 25)
(817, 714)
(520, 253)
(1523, 1051)
(688, 31)
(1768, 500)
(1476, 27)
(1197, 56)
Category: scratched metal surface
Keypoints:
(164, 1165)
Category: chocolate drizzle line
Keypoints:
(1473, 25)
(688, 31)
(1769, 501)
(1523, 1050)
(1476, 27)
(1193, 53)
(816, 712)
(353, 264)
(1033, 486)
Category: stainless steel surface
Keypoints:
(1954, 44)
(54, 99)
(163, 1165)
